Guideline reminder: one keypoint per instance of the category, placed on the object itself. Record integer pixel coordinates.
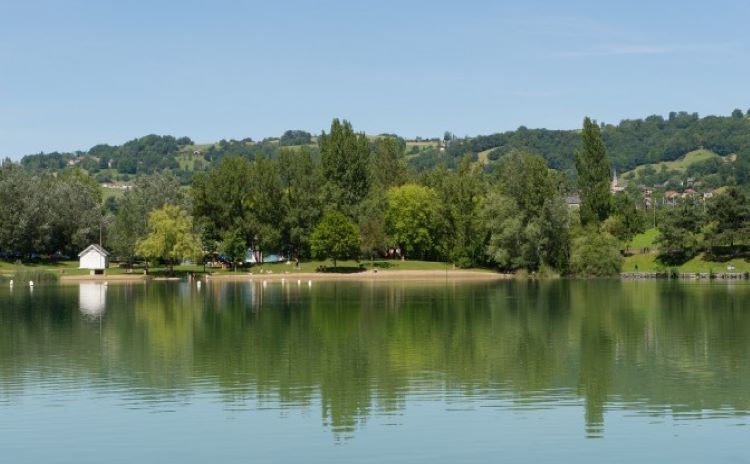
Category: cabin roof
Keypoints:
(96, 248)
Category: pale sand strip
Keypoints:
(434, 275)
(104, 278)
(368, 275)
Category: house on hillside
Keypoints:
(94, 258)
(573, 201)
(671, 197)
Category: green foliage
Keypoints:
(302, 180)
(220, 198)
(595, 254)
(388, 167)
(335, 237)
(679, 236)
(234, 247)
(728, 215)
(526, 217)
(593, 169)
(345, 158)
(241, 196)
(630, 143)
(170, 236)
(412, 219)
(461, 193)
(626, 221)
(130, 222)
(295, 137)
(41, 213)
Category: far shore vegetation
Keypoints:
(347, 202)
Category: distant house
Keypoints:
(689, 193)
(671, 197)
(573, 201)
(94, 258)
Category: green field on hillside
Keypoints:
(681, 164)
(645, 240)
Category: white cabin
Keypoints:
(94, 258)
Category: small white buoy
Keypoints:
(309, 283)
(198, 284)
(11, 283)
(31, 283)
(299, 282)
(265, 282)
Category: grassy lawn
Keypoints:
(71, 267)
(645, 240)
(648, 262)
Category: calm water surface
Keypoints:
(591, 371)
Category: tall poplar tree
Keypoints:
(345, 158)
(592, 166)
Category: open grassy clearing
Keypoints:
(681, 164)
(645, 240)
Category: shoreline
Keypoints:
(425, 275)
(434, 275)
(104, 278)
(664, 275)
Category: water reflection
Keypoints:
(92, 298)
(353, 351)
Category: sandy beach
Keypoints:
(104, 278)
(368, 275)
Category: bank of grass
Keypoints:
(70, 268)
(645, 240)
(649, 263)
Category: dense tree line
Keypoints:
(353, 197)
(720, 227)
(42, 214)
(631, 143)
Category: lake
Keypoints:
(558, 371)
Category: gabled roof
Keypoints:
(96, 248)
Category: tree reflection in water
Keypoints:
(357, 349)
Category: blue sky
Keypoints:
(77, 73)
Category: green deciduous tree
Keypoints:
(728, 216)
(679, 237)
(593, 169)
(335, 237)
(234, 247)
(626, 220)
(170, 236)
(266, 206)
(412, 219)
(388, 165)
(595, 253)
(526, 217)
(220, 198)
(345, 159)
(130, 222)
(302, 181)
